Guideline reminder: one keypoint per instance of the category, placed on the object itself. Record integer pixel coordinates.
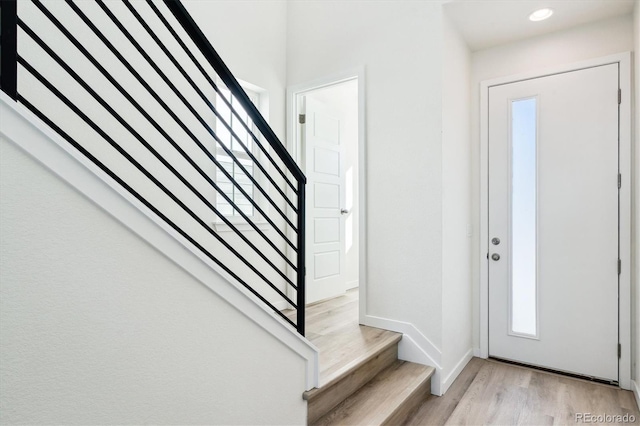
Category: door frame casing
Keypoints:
(294, 146)
(624, 156)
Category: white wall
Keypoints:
(456, 206)
(97, 327)
(581, 43)
(399, 43)
(253, 45)
(250, 36)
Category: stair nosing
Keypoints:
(349, 368)
(428, 373)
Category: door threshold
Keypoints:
(558, 372)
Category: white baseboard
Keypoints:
(414, 346)
(451, 377)
(636, 392)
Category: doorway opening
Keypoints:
(326, 137)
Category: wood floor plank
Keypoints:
(330, 394)
(541, 401)
(333, 327)
(626, 400)
(410, 404)
(341, 352)
(494, 393)
(472, 408)
(487, 392)
(380, 399)
(437, 409)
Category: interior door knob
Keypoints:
(344, 211)
(495, 241)
(495, 256)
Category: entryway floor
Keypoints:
(487, 392)
(490, 392)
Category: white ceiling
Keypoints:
(488, 23)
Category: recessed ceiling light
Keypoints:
(540, 15)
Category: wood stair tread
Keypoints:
(386, 399)
(353, 360)
(358, 365)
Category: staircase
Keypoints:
(362, 381)
(142, 97)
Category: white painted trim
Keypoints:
(414, 347)
(624, 59)
(625, 299)
(477, 353)
(362, 195)
(636, 392)
(293, 145)
(484, 220)
(20, 127)
(451, 377)
(575, 66)
(353, 284)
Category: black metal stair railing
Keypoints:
(137, 88)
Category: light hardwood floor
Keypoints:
(332, 325)
(490, 392)
(487, 392)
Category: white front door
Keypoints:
(553, 222)
(324, 161)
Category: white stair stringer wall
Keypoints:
(19, 128)
(414, 347)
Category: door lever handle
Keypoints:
(344, 211)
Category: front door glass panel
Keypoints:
(523, 288)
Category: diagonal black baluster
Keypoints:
(8, 42)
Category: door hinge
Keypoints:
(619, 266)
(302, 118)
(619, 180)
(619, 96)
(619, 350)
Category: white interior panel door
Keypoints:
(553, 222)
(325, 169)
